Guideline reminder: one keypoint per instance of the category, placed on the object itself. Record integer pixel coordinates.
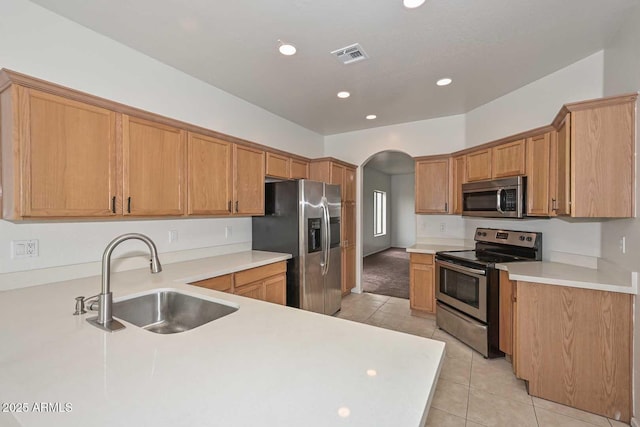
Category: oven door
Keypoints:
(463, 288)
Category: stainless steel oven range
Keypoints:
(468, 285)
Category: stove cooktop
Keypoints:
(481, 257)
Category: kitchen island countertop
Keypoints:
(262, 365)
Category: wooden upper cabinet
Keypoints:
(432, 185)
(592, 159)
(458, 165)
(299, 169)
(154, 163)
(478, 165)
(277, 165)
(210, 178)
(349, 185)
(561, 167)
(539, 175)
(508, 159)
(64, 158)
(337, 178)
(248, 170)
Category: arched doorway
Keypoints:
(387, 218)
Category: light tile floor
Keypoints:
(472, 391)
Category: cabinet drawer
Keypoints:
(220, 283)
(249, 276)
(421, 258)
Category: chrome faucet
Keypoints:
(105, 320)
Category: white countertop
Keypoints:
(262, 365)
(554, 273)
(432, 248)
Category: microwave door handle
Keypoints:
(498, 204)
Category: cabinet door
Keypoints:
(349, 224)
(277, 166)
(69, 157)
(563, 168)
(275, 289)
(506, 313)
(210, 177)
(575, 346)
(458, 173)
(508, 159)
(432, 186)
(154, 168)
(253, 290)
(478, 165)
(337, 178)
(602, 161)
(421, 290)
(538, 178)
(350, 185)
(348, 268)
(299, 169)
(248, 181)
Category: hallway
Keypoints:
(387, 273)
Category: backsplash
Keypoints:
(570, 241)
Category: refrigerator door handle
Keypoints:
(326, 237)
(328, 228)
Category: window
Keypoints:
(379, 213)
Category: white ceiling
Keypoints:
(488, 47)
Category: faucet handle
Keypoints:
(79, 306)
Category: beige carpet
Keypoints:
(387, 273)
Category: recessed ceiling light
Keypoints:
(444, 82)
(371, 117)
(286, 48)
(343, 94)
(412, 4)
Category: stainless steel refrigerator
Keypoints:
(302, 218)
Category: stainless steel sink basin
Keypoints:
(169, 312)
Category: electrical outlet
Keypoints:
(24, 248)
(623, 245)
(227, 231)
(443, 227)
(173, 236)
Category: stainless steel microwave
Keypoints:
(498, 198)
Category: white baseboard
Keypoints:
(635, 422)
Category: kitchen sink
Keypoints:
(169, 312)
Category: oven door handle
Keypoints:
(461, 268)
(498, 204)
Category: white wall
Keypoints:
(622, 75)
(537, 103)
(403, 217)
(42, 44)
(375, 180)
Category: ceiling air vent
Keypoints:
(350, 54)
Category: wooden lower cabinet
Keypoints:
(506, 314)
(422, 283)
(348, 269)
(266, 283)
(275, 289)
(574, 346)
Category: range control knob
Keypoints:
(529, 239)
(521, 237)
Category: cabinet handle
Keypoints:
(129, 204)
(113, 204)
(229, 206)
(236, 206)
(446, 206)
(554, 206)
